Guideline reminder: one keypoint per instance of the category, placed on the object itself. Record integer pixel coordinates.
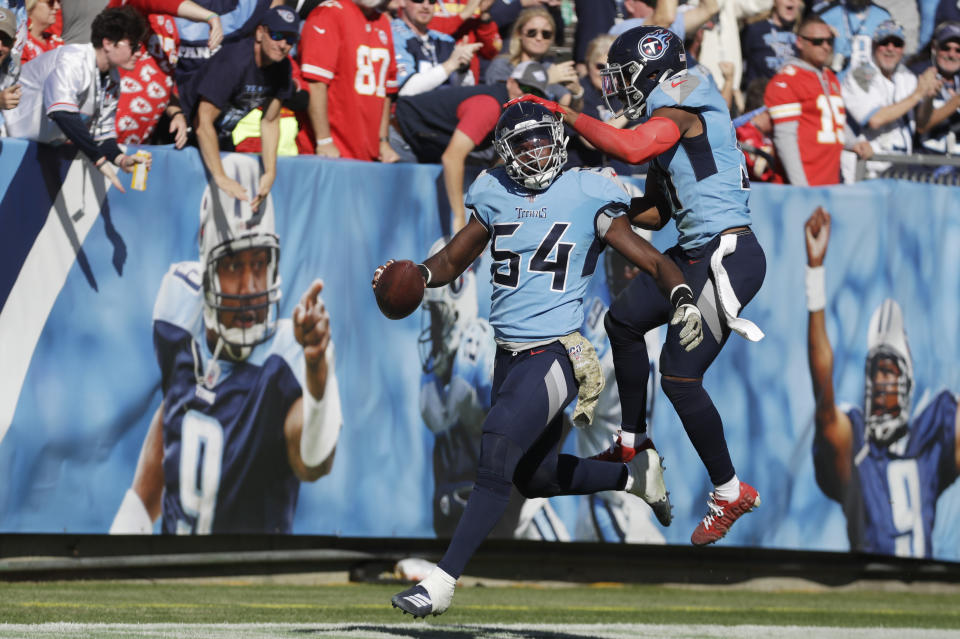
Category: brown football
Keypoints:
(399, 290)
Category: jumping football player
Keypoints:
(251, 404)
(546, 231)
(886, 472)
(698, 177)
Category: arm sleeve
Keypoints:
(633, 146)
(423, 81)
(77, 132)
(785, 143)
(785, 110)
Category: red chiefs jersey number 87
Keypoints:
(372, 65)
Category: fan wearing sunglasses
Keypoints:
(242, 76)
(427, 59)
(881, 96)
(806, 103)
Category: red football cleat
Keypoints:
(620, 453)
(722, 514)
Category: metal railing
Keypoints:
(929, 169)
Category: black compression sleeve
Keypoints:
(77, 132)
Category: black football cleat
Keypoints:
(414, 600)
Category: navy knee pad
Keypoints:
(499, 457)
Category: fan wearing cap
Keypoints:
(881, 95)
(938, 116)
(9, 91)
(242, 76)
(853, 23)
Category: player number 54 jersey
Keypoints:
(545, 246)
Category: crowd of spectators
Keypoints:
(811, 87)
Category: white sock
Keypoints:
(631, 440)
(729, 491)
(440, 586)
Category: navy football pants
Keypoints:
(520, 445)
(641, 306)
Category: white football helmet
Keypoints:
(226, 231)
(446, 310)
(887, 339)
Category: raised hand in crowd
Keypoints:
(562, 73)
(929, 82)
(461, 56)
(10, 97)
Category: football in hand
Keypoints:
(399, 290)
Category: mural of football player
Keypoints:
(884, 468)
(610, 515)
(457, 351)
(251, 404)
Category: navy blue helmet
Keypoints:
(637, 62)
(530, 139)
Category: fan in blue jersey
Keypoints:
(885, 469)
(457, 352)
(250, 405)
(698, 177)
(546, 232)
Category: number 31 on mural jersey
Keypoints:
(832, 118)
(372, 64)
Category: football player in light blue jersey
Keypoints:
(698, 177)
(885, 467)
(251, 404)
(546, 231)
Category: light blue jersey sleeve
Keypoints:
(180, 300)
(479, 201)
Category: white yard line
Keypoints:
(420, 630)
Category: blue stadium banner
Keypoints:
(81, 265)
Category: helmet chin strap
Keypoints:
(211, 374)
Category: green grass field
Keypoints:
(179, 605)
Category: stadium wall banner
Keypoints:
(81, 265)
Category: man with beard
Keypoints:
(880, 97)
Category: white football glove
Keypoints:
(692, 332)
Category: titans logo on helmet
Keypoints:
(653, 45)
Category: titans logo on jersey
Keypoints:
(703, 177)
(561, 229)
(225, 459)
(892, 501)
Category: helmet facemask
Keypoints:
(625, 87)
(887, 348)
(439, 337)
(534, 151)
(256, 312)
(886, 424)
(446, 311)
